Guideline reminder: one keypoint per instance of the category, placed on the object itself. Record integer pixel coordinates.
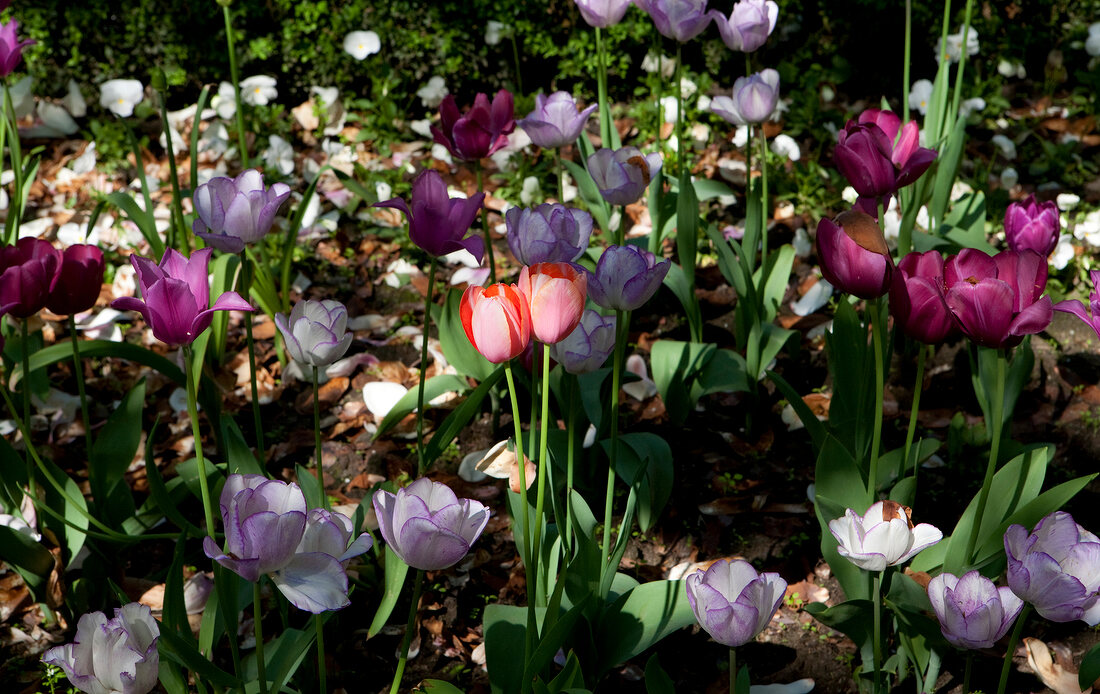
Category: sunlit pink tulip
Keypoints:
(555, 293)
(497, 320)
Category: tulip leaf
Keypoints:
(100, 348)
(238, 455)
(708, 188)
(223, 271)
(851, 408)
(32, 560)
(964, 225)
(947, 165)
(284, 655)
(657, 680)
(396, 571)
(582, 576)
(452, 338)
(505, 626)
(676, 368)
(639, 619)
(646, 458)
(312, 489)
(461, 416)
(178, 649)
(734, 272)
(115, 447)
(852, 618)
(141, 218)
(552, 638)
(438, 687)
(774, 274)
(814, 426)
(436, 386)
(159, 493)
(590, 193)
(72, 506)
(687, 242)
(1090, 668)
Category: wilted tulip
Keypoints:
(176, 296)
(483, 130)
(754, 99)
(427, 525)
(586, 349)
(622, 174)
(733, 602)
(1032, 226)
(682, 20)
(749, 24)
(555, 294)
(78, 281)
(555, 120)
(972, 611)
(626, 277)
(603, 13)
(316, 332)
(232, 212)
(28, 273)
(112, 655)
(549, 233)
(998, 300)
(497, 320)
(438, 222)
(315, 578)
(11, 48)
(1056, 568)
(854, 256)
(884, 536)
(916, 298)
(1089, 314)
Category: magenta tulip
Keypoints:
(879, 156)
(998, 300)
(916, 298)
(79, 280)
(483, 130)
(28, 273)
(1089, 314)
(854, 256)
(1032, 226)
(11, 48)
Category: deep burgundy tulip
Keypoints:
(79, 281)
(1056, 568)
(749, 24)
(854, 256)
(622, 175)
(11, 48)
(555, 120)
(682, 20)
(626, 277)
(863, 156)
(973, 612)
(754, 99)
(232, 212)
(916, 298)
(1032, 225)
(909, 158)
(603, 13)
(438, 222)
(483, 130)
(998, 300)
(549, 233)
(28, 273)
(586, 348)
(1089, 314)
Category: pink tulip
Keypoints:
(555, 293)
(497, 321)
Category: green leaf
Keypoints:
(657, 680)
(223, 270)
(1090, 668)
(72, 506)
(646, 457)
(708, 188)
(814, 426)
(436, 386)
(687, 239)
(311, 488)
(396, 570)
(452, 339)
(100, 348)
(33, 561)
(947, 165)
(116, 445)
(675, 367)
(639, 619)
(160, 494)
(551, 639)
(238, 454)
(438, 687)
(726, 372)
(504, 627)
(964, 225)
(142, 219)
(597, 206)
(171, 645)
(852, 618)
(776, 275)
(461, 416)
(676, 280)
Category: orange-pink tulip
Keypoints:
(497, 321)
(555, 294)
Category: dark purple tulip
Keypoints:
(1032, 225)
(972, 611)
(555, 120)
(622, 174)
(427, 525)
(998, 300)
(549, 233)
(854, 256)
(863, 156)
(11, 48)
(626, 277)
(232, 212)
(916, 298)
(603, 13)
(438, 222)
(176, 296)
(586, 348)
(79, 280)
(483, 130)
(909, 158)
(749, 24)
(1089, 314)
(682, 20)
(28, 273)
(1056, 568)
(733, 602)
(754, 99)
(316, 332)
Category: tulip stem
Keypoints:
(763, 199)
(918, 386)
(561, 178)
(78, 372)
(421, 464)
(522, 517)
(515, 56)
(905, 64)
(609, 497)
(234, 75)
(25, 386)
(258, 421)
(876, 599)
(996, 407)
(485, 228)
(543, 463)
(966, 673)
(1012, 641)
(571, 430)
(418, 584)
(193, 413)
(875, 308)
(176, 229)
(318, 448)
(321, 669)
(733, 670)
(257, 623)
(601, 95)
(15, 211)
(139, 164)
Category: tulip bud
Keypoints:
(749, 24)
(754, 99)
(1032, 225)
(854, 256)
(555, 293)
(28, 273)
(586, 348)
(1056, 568)
(916, 298)
(497, 321)
(316, 332)
(732, 602)
(112, 655)
(972, 611)
(427, 525)
(548, 233)
(884, 536)
(626, 277)
(79, 280)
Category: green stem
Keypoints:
(15, 204)
(620, 232)
(876, 435)
(247, 271)
(257, 622)
(876, 598)
(421, 463)
(529, 634)
(543, 463)
(571, 430)
(4, 127)
(750, 253)
(176, 229)
(1012, 641)
(733, 671)
(515, 56)
(193, 413)
(25, 387)
(78, 371)
(918, 386)
(601, 92)
(561, 179)
(997, 413)
(318, 448)
(957, 96)
(485, 228)
(609, 496)
(418, 584)
(234, 75)
(966, 673)
(679, 126)
(322, 672)
(763, 198)
(905, 65)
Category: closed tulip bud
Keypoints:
(233, 212)
(972, 611)
(1032, 226)
(916, 298)
(622, 175)
(603, 13)
(427, 525)
(112, 655)
(555, 294)
(754, 99)
(884, 536)
(626, 277)
(549, 233)
(316, 332)
(854, 256)
(28, 273)
(997, 301)
(555, 120)
(1056, 568)
(682, 20)
(586, 349)
(481, 131)
(733, 602)
(749, 24)
(497, 320)
(79, 280)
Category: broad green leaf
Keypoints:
(639, 619)
(675, 367)
(597, 206)
(657, 680)
(438, 687)
(504, 628)
(171, 645)
(223, 270)
(29, 557)
(72, 506)
(461, 416)
(100, 348)
(116, 445)
(708, 188)
(239, 456)
(852, 618)
(436, 386)
(1090, 668)
(964, 224)
(142, 219)
(311, 487)
(396, 570)
(452, 339)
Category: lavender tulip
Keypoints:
(28, 273)
(732, 602)
(437, 222)
(176, 296)
(622, 175)
(555, 120)
(11, 48)
(626, 277)
(78, 280)
(603, 13)
(549, 233)
(427, 525)
(998, 300)
(854, 255)
(315, 578)
(682, 20)
(586, 348)
(749, 24)
(316, 332)
(111, 655)
(481, 131)
(1032, 225)
(1089, 314)
(884, 536)
(754, 99)
(916, 298)
(1056, 568)
(972, 611)
(233, 212)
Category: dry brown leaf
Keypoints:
(1057, 673)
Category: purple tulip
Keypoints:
(315, 579)
(754, 99)
(854, 256)
(998, 300)
(28, 273)
(682, 20)
(112, 655)
(555, 121)
(78, 281)
(733, 602)
(232, 212)
(483, 130)
(586, 349)
(549, 233)
(316, 332)
(909, 158)
(603, 13)
(176, 296)
(1056, 568)
(972, 611)
(1032, 225)
(622, 174)
(1089, 314)
(427, 525)
(11, 48)
(626, 277)
(437, 222)
(879, 156)
(916, 298)
(749, 24)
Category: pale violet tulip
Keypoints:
(547, 233)
(360, 44)
(109, 656)
(258, 90)
(733, 602)
(602, 13)
(315, 579)
(586, 348)
(555, 121)
(316, 332)
(972, 611)
(682, 20)
(120, 96)
(884, 536)
(754, 98)
(1056, 568)
(626, 277)
(622, 175)
(233, 212)
(427, 526)
(749, 24)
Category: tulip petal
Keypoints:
(314, 582)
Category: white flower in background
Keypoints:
(225, 101)
(785, 146)
(1063, 252)
(1088, 229)
(652, 62)
(828, 94)
(1067, 201)
(360, 44)
(1006, 146)
(703, 104)
(440, 153)
(120, 96)
(815, 297)
(968, 106)
(952, 49)
(423, 127)
(849, 195)
(215, 139)
(178, 143)
(1092, 43)
(531, 192)
(781, 107)
(383, 190)
(669, 109)
(802, 243)
(432, 93)
(74, 102)
(495, 31)
(1009, 177)
(258, 90)
(959, 189)
(86, 161)
(1009, 69)
(740, 136)
(279, 155)
(687, 88)
(919, 95)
